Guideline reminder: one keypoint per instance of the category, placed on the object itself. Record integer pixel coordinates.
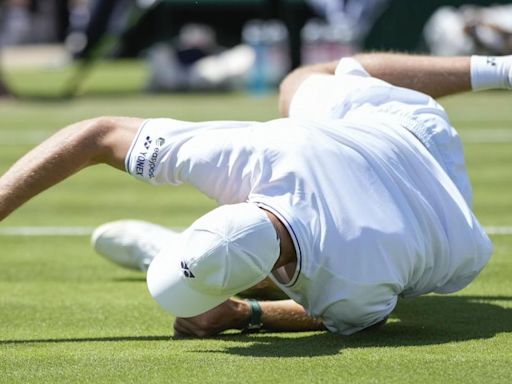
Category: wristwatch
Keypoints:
(255, 323)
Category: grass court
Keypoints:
(68, 316)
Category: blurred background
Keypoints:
(62, 61)
(49, 48)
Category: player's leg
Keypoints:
(132, 244)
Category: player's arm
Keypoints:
(282, 315)
(434, 76)
(102, 140)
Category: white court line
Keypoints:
(87, 231)
(46, 231)
(492, 230)
(32, 137)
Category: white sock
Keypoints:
(489, 72)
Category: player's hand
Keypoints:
(232, 314)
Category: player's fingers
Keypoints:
(194, 327)
(182, 329)
(189, 328)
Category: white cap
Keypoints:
(224, 252)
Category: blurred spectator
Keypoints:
(16, 22)
(399, 24)
(357, 16)
(194, 61)
(3, 87)
(190, 61)
(470, 29)
(28, 21)
(132, 21)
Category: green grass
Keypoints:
(68, 316)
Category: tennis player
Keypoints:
(357, 197)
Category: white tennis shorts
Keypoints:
(353, 91)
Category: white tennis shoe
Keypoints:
(132, 244)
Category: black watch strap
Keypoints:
(255, 323)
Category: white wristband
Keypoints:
(488, 72)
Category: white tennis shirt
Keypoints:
(372, 214)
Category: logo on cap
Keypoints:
(186, 270)
(160, 141)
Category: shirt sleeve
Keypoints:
(350, 66)
(167, 151)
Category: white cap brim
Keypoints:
(223, 253)
(168, 285)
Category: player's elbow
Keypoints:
(95, 134)
(113, 137)
(92, 139)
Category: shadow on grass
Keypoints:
(131, 279)
(427, 320)
(87, 340)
